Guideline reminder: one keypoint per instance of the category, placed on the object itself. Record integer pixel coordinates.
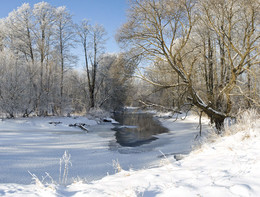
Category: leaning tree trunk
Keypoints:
(215, 116)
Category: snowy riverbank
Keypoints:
(226, 166)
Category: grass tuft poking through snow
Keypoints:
(66, 161)
(165, 160)
(116, 165)
(45, 183)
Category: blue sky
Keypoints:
(110, 13)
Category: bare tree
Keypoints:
(64, 35)
(164, 30)
(18, 37)
(44, 15)
(38, 40)
(235, 23)
(92, 39)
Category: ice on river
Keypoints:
(225, 166)
(37, 144)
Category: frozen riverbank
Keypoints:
(226, 166)
(37, 144)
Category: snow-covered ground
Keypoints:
(226, 166)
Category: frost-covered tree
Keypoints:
(165, 30)
(92, 38)
(39, 38)
(18, 38)
(65, 37)
(44, 18)
(14, 82)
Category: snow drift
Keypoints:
(225, 165)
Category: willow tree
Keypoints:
(164, 30)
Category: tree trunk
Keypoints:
(62, 72)
(92, 99)
(216, 117)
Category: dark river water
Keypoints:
(136, 129)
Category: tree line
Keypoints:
(37, 74)
(182, 54)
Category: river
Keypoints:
(136, 129)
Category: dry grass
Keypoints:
(116, 165)
(245, 121)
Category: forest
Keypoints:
(173, 111)
(176, 55)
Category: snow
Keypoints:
(221, 166)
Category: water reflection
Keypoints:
(136, 129)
